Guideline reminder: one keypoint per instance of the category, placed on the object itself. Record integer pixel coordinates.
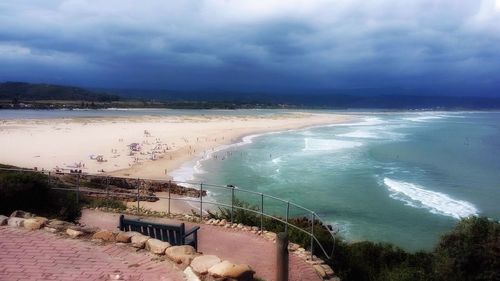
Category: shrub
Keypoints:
(471, 251)
(31, 192)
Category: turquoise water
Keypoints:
(403, 178)
(7, 114)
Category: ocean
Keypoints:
(11, 114)
(404, 178)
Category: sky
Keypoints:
(264, 45)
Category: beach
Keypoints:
(135, 146)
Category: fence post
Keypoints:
(107, 190)
(287, 214)
(201, 201)
(312, 235)
(169, 187)
(78, 189)
(232, 204)
(261, 213)
(138, 185)
(282, 256)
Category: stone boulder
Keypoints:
(293, 247)
(125, 236)
(270, 235)
(328, 270)
(156, 246)
(104, 235)
(59, 225)
(201, 264)
(190, 275)
(88, 229)
(226, 269)
(320, 270)
(15, 222)
(3, 220)
(34, 223)
(74, 233)
(21, 214)
(50, 229)
(139, 241)
(181, 254)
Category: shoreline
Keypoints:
(243, 140)
(229, 139)
(166, 142)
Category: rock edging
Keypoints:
(196, 266)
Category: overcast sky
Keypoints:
(252, 45)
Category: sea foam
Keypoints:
(426, 117)
(188, 171)
(363, 134)
(438, 203)
(311, 144)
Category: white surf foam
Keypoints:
(367, 121)
(438, 203)
(277, 160)
(363, 134)
(384, 133)
(311, 144)
(188, 171)
(429, 116)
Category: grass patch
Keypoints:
(92, 202)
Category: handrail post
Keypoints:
(312, 235)
(232, 204)
(169, 187)
(282, 256)
(201, 201)
(138, 204)
(78, 189)
(261, 213)
(287, 214)
(107, 189)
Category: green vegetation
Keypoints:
(20, 95)
(20, 91)
(31, 192)
(471, 251)
(111, 203)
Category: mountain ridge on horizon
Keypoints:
(347, 98)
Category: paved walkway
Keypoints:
(39, 255)
(229, 244)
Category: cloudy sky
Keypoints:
(252, 45)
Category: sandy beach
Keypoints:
(142, 146)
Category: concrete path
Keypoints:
(228, 244)
(39, 255)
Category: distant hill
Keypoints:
(367, 98)
(32, 92)
(56, 96)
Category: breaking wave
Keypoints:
(436, 202)
(311, 144)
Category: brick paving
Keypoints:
(228, 244)
(39, 255)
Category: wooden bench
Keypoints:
(174, 234)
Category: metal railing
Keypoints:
(199, 204)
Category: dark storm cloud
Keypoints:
(251, 44)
